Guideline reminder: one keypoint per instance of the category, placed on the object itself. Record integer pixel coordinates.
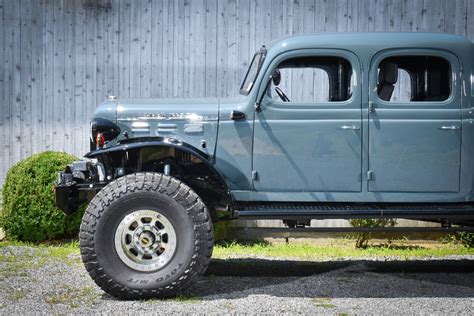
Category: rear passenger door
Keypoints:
(414, 122)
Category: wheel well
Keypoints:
(188, 166)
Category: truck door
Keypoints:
(307, 135)
(414, 122)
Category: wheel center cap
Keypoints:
(147, 239)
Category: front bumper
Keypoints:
(77, 185)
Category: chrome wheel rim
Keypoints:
(145, 240)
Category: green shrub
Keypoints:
(362, 239)
(29, 212)
(467, 239)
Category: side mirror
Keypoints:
(276, 77)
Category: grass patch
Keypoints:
(14, 270)
(34, 256)
(16, 295)
(7, 243)
(340, 248)
(73, 297)
(186, 299)
(66, 252)
(324, 302)
(182, 299)
(72, 245)
(230, 307)
(12, 265)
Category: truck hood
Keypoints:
(193, 121)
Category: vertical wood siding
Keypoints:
(60, 58)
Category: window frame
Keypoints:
(327, 74)
(262, 53)
(349, 56)
(382, 55)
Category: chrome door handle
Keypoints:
(351, 127)
(450, 128)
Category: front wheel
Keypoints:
(146, 235)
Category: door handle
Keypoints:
(351, 127)
(237, 115)
(450, 128)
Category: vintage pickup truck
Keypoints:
(326, 126)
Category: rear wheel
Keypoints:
(146, 235)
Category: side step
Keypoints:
(307, 211)
(280, 230)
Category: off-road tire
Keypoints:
(181, 205)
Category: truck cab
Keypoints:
(366, 118)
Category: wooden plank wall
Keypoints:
(60, 58)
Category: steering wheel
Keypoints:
(282, 95)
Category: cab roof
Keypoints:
(367, 44)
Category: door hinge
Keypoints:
(371, 107)
(254, 175)
(370, 175)
(258, 107)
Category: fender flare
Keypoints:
(157, 142)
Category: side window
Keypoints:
(314, 79)
(414, 79)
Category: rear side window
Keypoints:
(414, 79)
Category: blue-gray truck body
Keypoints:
(362, 149)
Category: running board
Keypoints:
(306, 211)
(282, 230)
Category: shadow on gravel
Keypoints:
(442, 272)
(271, 268)
(237, 278)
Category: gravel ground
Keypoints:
(32, 283)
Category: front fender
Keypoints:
(197, 168)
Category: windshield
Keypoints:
(252, 72)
